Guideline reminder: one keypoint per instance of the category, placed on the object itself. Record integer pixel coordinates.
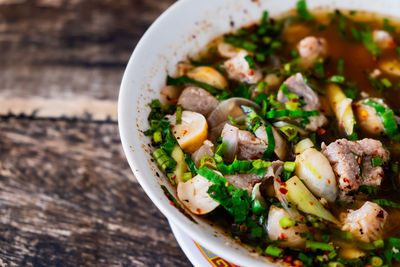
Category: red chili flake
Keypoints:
(227, 183)
(345, 180)
(359, 160)
(329, 181)
(283, 184)
(392, 44)
(198, 210)
(277, 180)
(172, 203)
(173, 176)
(243, 228)
(311, 203)
(185, 131)
(288, 259)
(282, 237)
(294, 100)
(283, 190)
(251, 72)
(321, 131)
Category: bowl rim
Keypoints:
(166, 209)
(206, 241)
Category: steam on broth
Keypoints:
(285, 134)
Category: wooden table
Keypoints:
(65, 196)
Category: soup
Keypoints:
(285, 134)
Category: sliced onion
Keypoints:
(230, 135)
(280, 124)
(230, 107)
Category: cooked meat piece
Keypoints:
(351, 162)
(247, 181)
(250, 147)
(243, 181)
(238, 69)
(207, 149)
(311, 48)
(366, 223)
(383, 39)
(198, 100)
(298, 86)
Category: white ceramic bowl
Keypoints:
(183, 30)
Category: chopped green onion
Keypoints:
(260, 87)
(273, 114)
(387, 26)
(157, 137)
(313, 245)
(289, 166)
(185, 79)
(273, 251)
(376, 261)
(335, 264)
(178, 115)
(259, 163)
(187, 176)
(377, 161)
(337, 79)
(218, 158)
(319, 69)
(356, 34)
(388, 203)
(332, 255)
(367, 40)
(322, 27)
(369, 190)
(271, 142)
(386, 82)
(260, 57)
(290, 131)
(379, 243)
(340, 66)
(285, 90)
(326, 238)
(163, 160)
(286, 222)
(250, 61)
(302, 10)
(208, 161)
(304, 258)
(191, 164)
(256, 207)
(220, 150)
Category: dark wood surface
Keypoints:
(67, 194)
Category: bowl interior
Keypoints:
(183, 30)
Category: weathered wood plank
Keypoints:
(61, 49)
(66, 200)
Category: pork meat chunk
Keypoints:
(299, 87)
(351, 162)
(238, 69)
(311, 48)
(250, 147)
(366, 223)
(198, 100)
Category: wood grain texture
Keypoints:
(67, 195)
(63, 48)
(66, 200)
